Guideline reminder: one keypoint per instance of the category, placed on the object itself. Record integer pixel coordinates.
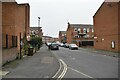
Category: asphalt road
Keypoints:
(87, 64)
(42, 64)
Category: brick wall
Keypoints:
(119, 27)
(106, 26)
(15, 19)
(0, 34)
(22, 21)
(62, 36)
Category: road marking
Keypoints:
(81, 73)
(64, 70)
(3, 73)
(58, 70)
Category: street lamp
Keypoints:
(38, 21)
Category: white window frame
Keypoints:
(79, 30)
(75, 36)
(92, 30)
(75, 29)
(88, 30)
(84, 30)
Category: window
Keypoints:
(84, 30)
(92, 36)
(76, 36)
(79, 30)
(113, 44)
(87, 29)
(92, 30)
(75, 29)
(62, 34)
(88, 35)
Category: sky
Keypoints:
(55, 14)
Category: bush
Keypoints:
(36, 42)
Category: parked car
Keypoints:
(66, 45)
(54, 46)
(61, 45)
(73, 46)
(48, 44)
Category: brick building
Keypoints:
(15, 21)
(55, 39)
(0, 34)
(62, 36)
(80, 34)
(47, 39)
(36, 31)
(107, 27)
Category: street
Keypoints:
(87, 64)
(64, 63)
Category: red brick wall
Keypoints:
(106, 27)
(8, 20)
(0, 25)
(15, 19)
(61, 37)
(9, 54)
(0, 34)
(69, 33)
(119, 27)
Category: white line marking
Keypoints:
(58, 70)
(80, 72)
(64, 70)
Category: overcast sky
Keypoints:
(56, 13)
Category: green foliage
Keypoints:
(36, 41)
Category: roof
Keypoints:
(81, 25)
(35, 28)
(8, 0)
(62, 32)
(24, 4)
(47, 36)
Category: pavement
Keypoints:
(102, 52)
(43, 64)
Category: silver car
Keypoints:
(73, 47)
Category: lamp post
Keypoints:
(38, 25)
(38, 21)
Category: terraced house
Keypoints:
(15, 24)
(80, 34)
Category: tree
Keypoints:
(36, 42)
